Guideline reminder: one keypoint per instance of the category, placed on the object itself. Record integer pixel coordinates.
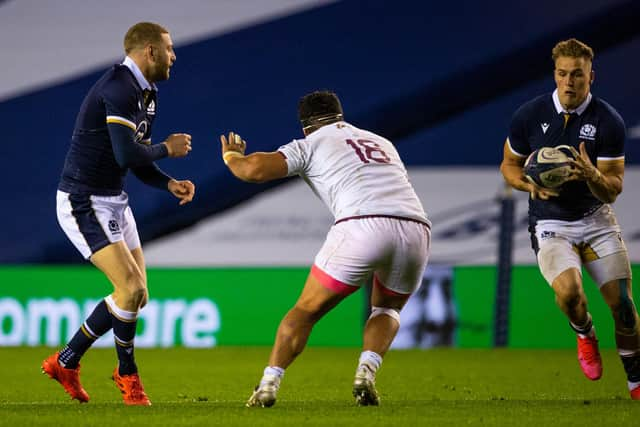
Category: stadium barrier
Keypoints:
(534, 319)
(187, 307)
(243, 306)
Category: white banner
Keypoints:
(287, 225)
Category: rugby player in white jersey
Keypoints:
(380, 230)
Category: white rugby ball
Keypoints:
(549, 167)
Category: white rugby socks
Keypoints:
(270, 372)
(370, 358)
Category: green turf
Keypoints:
(418, 388)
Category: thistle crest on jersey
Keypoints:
(549, 167)
(588, 131)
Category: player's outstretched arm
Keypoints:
(512, 170)
(255, 167)
(130, 154)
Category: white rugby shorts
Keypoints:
(394, 250)
(93, 222)
(594, 241)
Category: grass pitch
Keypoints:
(442, 387)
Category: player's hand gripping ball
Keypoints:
(549, 167)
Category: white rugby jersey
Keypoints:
(354, 172)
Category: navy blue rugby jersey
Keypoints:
(541, 123)
(112, 134)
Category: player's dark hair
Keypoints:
(572, 48)
(319, 108)
(142, 34)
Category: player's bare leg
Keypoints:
(291, 338)
(570, 296)
(125, 270)
(572, 301)
(379, 332)
(117, 262)
(138, 256)
(618, 295)
(122, 269)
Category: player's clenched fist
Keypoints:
(183, 190)
(178, 144)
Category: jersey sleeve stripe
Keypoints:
(608, 159)
(514, 151)
(121, 121)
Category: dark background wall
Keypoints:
(440, 79)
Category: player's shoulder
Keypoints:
(344, 130)
(534, 107)
(329, 131)
(118, 87)
(367, 133)
(607, 112)
(118, 79)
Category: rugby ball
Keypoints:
(549, 167)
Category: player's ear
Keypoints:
(593, 76)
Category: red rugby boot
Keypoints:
(68, 378)
(589, 357)
(131, 388)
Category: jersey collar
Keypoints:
(560, 109)
(144, 84)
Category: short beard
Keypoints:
(159, 74)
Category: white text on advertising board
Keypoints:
(165, 323)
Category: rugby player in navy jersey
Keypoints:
(575, 226)
(112, 134)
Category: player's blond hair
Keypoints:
(142, 34)
(572, 48)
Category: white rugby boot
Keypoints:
(364, 386)
(265, 393)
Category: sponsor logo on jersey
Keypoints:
(588, 131)
(151, 108)
(547, 235)
(141, 131)
(544, 127)
(114, 227)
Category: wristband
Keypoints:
(226, 156)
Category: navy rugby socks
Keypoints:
(96, 325)
(124, 330)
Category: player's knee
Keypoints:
(134, 288)
(569, 294)
(568, 297)
(145, 298)
(384, 311)
(138, 295)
